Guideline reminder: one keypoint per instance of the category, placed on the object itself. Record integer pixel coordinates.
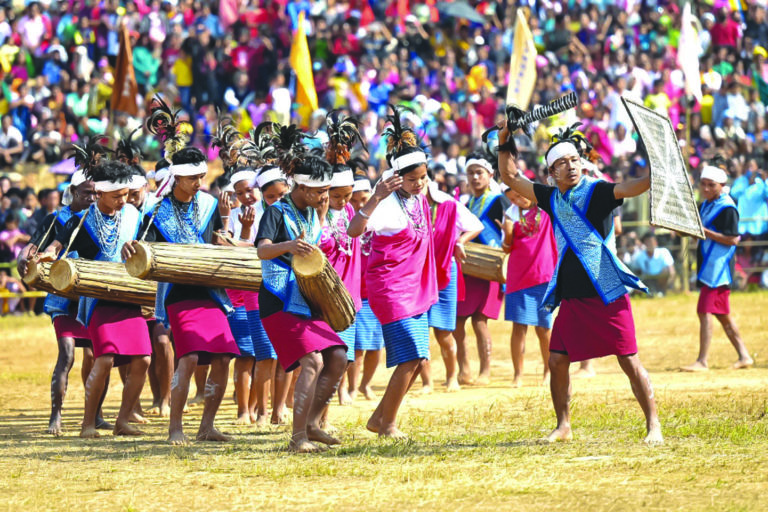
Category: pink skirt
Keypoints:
(587, 328)
(119, 330)
(251, 300)
(67, 326)
(200, 326)
(293, 337)
(480, 296)
(716, 301)
(236, 297)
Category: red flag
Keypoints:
(125, 88)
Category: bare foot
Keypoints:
(426, 390)
(584, 373)
(177, 438)
(125, 429)
(466, 379)
(289, 401)
(213, 435)
(317, 434)
(352, 394)
(452, 386)
(517, 382)
(695, 367)
(743, 364)
(243, 419)
(303, 446)
(393, 432)
(545, 379)
(279, 418)
(344, 398)
(373, 424)
(483, 379)
(89, 433)
(559, 434)
(197, 399)
(261, 421)
(654, 437)
(134, 417)
(368, 393)
(54, 426)
(102, 424)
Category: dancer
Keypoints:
(401, 275)
(714, 259)
(482, 299)
(530, 242)
(117, 330)
(590, 283)
(291, 227)
(453, 225)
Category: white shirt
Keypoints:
(235, 227)
(13, 134)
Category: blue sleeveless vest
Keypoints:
(491, 234)
(716, 258)
(129, 227)
(278, 277)
(573, 231)
(54, 305)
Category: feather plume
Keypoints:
(227, 139)
(343, 132)
(572, 135)
(87, 156)
(128, 152)
(164, 122)
(719, 161)
(399, 136)
(282, 144)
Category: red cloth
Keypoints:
(119, 330)
(293, 337)
(725, 34)
(587, 328)
(346, 265)
(236, 297)
(714, 300)
(251, 301)
(444, 234)
(480, 296)
(200, 326)
(533, 258)
(67, 326)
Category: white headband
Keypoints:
(482, 162)
(137, 182)
(161, 174)
(405, 161)
(343, 179)
(78, 178)
(503, 187)
(188, 169)
(716, 174)
(304, 179)
(249, 176)
(362, 186)
(559, 150)
(109, 186)
(270, 175)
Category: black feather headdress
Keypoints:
(343, 133)
(572, 135)
(91, 154)
(399, 137)
(285, 142)
(164, 122)
(719, 161)
(128, 152)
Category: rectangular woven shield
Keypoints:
(672, 203)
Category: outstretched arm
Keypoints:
(509, 171)
(632, 188)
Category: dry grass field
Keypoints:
(476, 449)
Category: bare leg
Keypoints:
(334, 365)
(259, 400)
(59, 382)
(312, 365)
(85, 370)
(280, 395)
(94, 388)
(517, 347)
(162, 350)
(543, 333)
(201, 376)
(243, 376)
(136, 415)
(384, 417)
(745, 361)
(370, 363)
(294, 377)
(643, 391)
(214, 392)
(465, 371)
(560, 387)
(426, 378)
(154, 385)
(344, 398)
(705, 339)
(353, 376)
(484, 347)
(585, 371)
(134, 383)
(448, 351)
(179, 393)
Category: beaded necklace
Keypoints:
(188, 224)
(527, 228)
(339, 231)
(473, 201)
(306, 226)
(416, 218)
(108, 231)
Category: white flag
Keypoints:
(688, 54)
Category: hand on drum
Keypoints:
(128, 250)
(459, 253)
(386, 187)
(299, 247)
(248, 216)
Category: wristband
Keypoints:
(363, 214)
(225, 216)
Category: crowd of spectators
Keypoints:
(57, 61)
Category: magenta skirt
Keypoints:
(480, 296)
(251, 300)
(587, 328)
(200, 326)
(293, 337)
(120, 331)
(67, 326)
(716, 301)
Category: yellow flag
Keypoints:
(522, 65)
(301, 63)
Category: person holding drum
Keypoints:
(118, 330)
(589, 283)
(401, 275)
(291, 227)
(482, 298)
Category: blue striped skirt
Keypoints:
(348, 337)
(262, 347)
(406, 339)
(523, 307)
(238, 323)
(442, 314)
(368, 335)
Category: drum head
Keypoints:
(309, 265)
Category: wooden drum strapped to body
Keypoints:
(212, 266)
(323, 290)
(103, 280)
(38, 276)
(483, 262)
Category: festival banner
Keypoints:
(125, 88)
(301, 63)
(688, 54)
(522, 65)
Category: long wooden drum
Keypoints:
(483, 262)
(102, 280)
(38, 276)
(323, 290)
(213, 266)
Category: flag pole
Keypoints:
(685, 240)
